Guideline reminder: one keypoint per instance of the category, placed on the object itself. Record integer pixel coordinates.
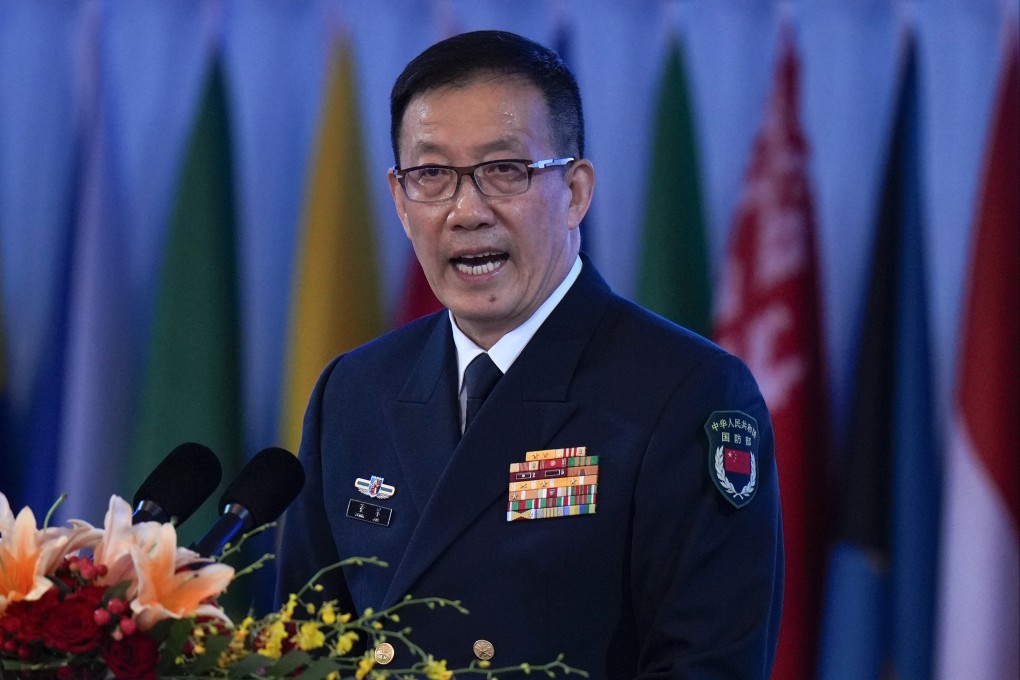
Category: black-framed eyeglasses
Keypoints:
(496, 179)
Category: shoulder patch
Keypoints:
(733, 455)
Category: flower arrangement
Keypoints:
(125, 602)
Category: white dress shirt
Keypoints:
(508, 348)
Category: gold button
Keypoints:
(384, 653)
(483, 650)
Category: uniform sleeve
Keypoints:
(307, 542)
(706, 576)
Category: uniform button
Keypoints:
(384, 653)
(484, 650)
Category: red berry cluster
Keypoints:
(76, 622)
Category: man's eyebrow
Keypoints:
(508, 145)
(424, 147)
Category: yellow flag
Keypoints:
(336, 303)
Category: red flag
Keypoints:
(979, 618)
(738, 461)
(767, 313)
(988, 389)
(417, 299)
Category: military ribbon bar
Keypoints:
(553, 483)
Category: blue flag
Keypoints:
(880, 600)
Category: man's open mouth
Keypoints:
(482, 263)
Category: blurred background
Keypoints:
(194, 218)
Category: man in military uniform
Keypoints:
(583, 476)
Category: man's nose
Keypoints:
(471, 208)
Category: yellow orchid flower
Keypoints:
(167, 591)
(309, 637)
(364, 666)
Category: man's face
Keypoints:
(492, 261)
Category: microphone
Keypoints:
(179, 484)
(270, 481)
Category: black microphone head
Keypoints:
(182, 481)
(270, 482)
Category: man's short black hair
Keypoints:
(458, 60)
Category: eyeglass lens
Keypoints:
(499, 178)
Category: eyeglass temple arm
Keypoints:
(538, 165)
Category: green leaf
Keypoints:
(250, 665)
(177, 637)
(214, 645)
(290, 662)
(319, 669)
(161, 631)
(12, 665)
(117, 590)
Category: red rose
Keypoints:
(72, 627)
(65, 578)
(25, 620)
(91, 593)
(133, 657)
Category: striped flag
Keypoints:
(979, 621)
(880, 598)
(191, 390)
(336, 301)
(673, 277)
(768, 313)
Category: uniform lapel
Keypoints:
(527, 408)
(425, 419)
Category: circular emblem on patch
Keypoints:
(733, 455)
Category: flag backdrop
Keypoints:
(102, 372)
(673, 276)
(563, 43)
(979, 622)
(417, 298)
(879, 611)
(768, 314)
(35, 426)
(58, 255)
(4, 422)
(336, 304)
(191, 390)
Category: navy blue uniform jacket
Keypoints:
(666, 580)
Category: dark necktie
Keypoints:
(480, 377)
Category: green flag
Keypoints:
(191, 389)
(673, 277)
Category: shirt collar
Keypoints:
(507, 348)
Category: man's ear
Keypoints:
(581, 181)
(399, 199)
